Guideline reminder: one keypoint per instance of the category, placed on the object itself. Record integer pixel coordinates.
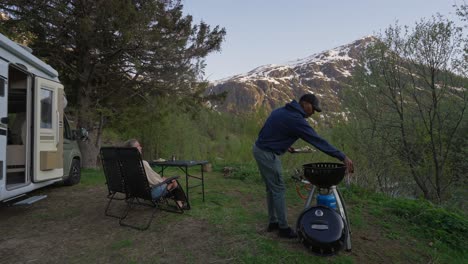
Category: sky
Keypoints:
(261, 32)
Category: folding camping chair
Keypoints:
(138, 188)
(114, 178)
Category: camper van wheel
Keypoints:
(75, 173)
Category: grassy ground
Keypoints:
(235, 206)
(229, 227)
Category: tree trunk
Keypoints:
(90, 150)
(90, 147)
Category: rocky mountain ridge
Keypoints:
(269, 86)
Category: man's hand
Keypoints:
(349, 165)
(291, 150)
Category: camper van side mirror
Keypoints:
(4, 120)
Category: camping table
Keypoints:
(184, 166)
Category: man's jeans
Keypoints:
(270, 168)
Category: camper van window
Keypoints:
(46, 108)
(67, 131)
(2, 87)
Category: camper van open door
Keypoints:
(3, 119)
(48, 127)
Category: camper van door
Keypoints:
(3, 117)
(48, 130)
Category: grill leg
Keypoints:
(342, 210)
(309, 198)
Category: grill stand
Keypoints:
(341, 210)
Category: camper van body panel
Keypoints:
(9, 194)
(37, 85)
(14, 53)
(3, 126)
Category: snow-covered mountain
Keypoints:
(324, 74)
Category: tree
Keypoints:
(410, 98)
(111, 53)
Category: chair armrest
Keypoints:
(168, 180)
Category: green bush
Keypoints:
(433, 222)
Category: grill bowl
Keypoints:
(324, 174)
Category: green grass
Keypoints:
(234, 207)
(423, 219)
(440, 232)
(121, 244)
(90, 177)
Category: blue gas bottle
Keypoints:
(327, 200)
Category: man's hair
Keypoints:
(130, 143)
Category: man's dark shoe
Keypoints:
(272, 227)
(287, 233)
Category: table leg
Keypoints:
(186, 183)
(203, 183)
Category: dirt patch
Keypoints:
(70, 227)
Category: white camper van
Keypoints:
(37, 147)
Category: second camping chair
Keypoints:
(114, 178)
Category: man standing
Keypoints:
(282, 128)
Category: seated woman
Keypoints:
(154, 179)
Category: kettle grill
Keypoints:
(321, 228)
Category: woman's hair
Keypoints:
(130, 143)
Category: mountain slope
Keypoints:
(324, 74)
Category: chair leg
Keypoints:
(106, 212)
(129, 207)
(141, 228)
(167, 207)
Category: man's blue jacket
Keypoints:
(287, 124)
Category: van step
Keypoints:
(30, 200)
